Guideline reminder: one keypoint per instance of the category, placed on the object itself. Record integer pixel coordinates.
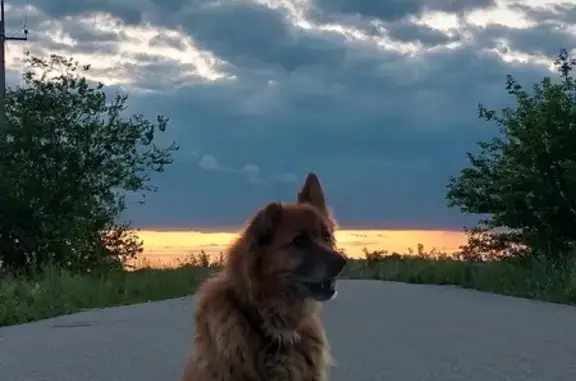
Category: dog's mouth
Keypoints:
(323, 290)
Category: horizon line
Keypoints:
(237, 229)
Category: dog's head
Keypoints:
(293, 245)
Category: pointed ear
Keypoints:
(313, 194)
(263, 226)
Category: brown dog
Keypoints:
(257, 319)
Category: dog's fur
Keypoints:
(251, 324)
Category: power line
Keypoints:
(3, 39)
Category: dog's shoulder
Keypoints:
(223, 344)
(214, 308)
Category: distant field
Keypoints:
(170, 248)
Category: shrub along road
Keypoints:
(378, 331)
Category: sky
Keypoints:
(379, 98)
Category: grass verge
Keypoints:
(536, 280)
(58, 292)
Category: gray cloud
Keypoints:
(129, 10)
(170, 73)
(545, 39)
(563, 11)
(250, 172)
(393, 9)
(409, 32)
(263, 36)
(161, 40)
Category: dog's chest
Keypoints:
(300, 361)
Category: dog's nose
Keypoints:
(338, 263)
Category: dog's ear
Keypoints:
(264, 224)
(313, 194)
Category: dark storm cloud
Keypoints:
(129, 10)
(245, 34)
(393, 9)
(406, 31)
(171, 73)
(546, 39)
(242, 33)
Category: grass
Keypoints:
(535, 281)
(59, 292)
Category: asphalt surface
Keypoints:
(379, 331)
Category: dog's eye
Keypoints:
(327, 237)
(299, 241)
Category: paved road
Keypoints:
(379, 331)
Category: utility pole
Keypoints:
(3, 40)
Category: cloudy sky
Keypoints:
(378, 97)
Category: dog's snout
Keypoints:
(339, 263)
(329, 260)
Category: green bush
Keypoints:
(68, 159)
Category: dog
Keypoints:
(258, 318)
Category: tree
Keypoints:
(69, 161)
(525, 179)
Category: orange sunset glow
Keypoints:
(166, 248)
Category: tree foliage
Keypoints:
(525, 178)
(68, 160)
